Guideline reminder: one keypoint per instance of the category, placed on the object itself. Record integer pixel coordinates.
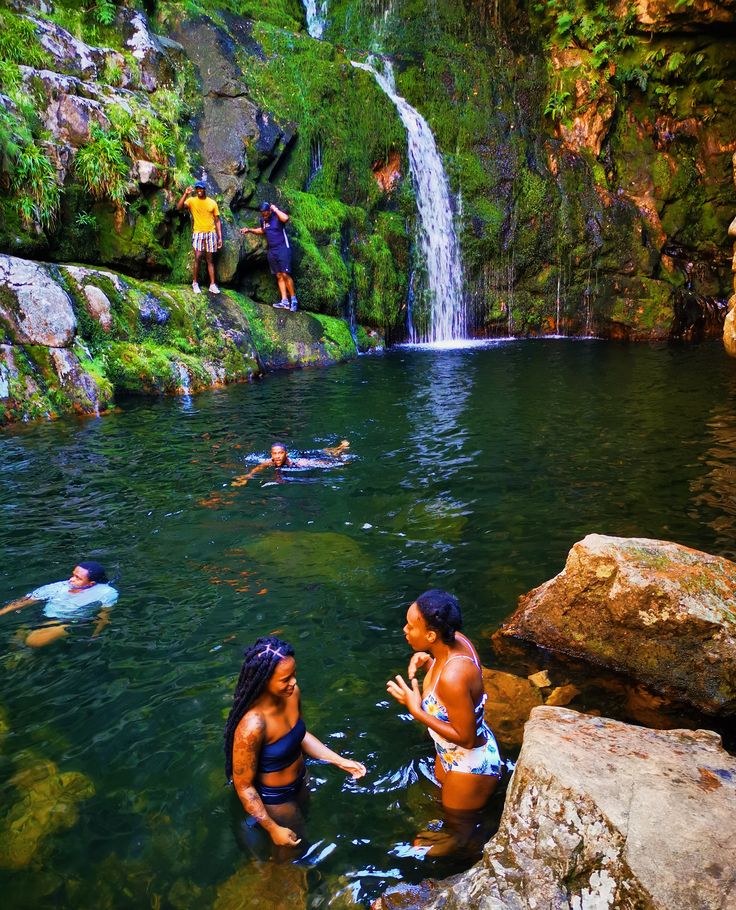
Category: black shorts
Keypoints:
(279, 260)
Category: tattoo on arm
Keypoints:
(247, 746)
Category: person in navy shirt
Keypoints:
(279, 252)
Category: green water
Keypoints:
(475, 471)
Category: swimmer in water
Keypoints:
(450, 705)
(266, 741)
(68, 602)
(280, 459)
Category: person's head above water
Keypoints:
(279, 454)
(86, 574)
(433, 615)
(268, 666)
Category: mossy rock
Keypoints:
(47, 802)
(311, 556)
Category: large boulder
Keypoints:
(661, 612)
(34, 309)
(239, 141)
(602, 815)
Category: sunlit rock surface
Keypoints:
(658, 611)
(601, 815)
(510, 701)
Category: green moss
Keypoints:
(337, 339)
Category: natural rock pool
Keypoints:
(473, 470)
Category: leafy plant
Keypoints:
(112, 74)
(557, 104)
(104, 11)
(34, 178)
(101, 165)
(85, 220)
(19, 42)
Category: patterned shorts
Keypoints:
(205, 242)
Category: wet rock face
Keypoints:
(602, 815)
(661, 612)
(673, 15)
(33, 308)
(232, 125)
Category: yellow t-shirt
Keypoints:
(204, 211)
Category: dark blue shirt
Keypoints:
(274, 232)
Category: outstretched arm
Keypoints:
(185, 195)
(18, 604)
(249, 230)
(247, 746)
(243, 479)
(316, 749)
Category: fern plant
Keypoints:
(557, 104)
(101, 166)
(34, 179)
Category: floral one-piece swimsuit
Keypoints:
(483, 759)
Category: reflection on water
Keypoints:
(715, 490)
(475, 470)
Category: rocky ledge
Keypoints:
(603, 815)
(72, 338)
(660, 612)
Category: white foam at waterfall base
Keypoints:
(437, 238)
(183, 376)
(316, 11)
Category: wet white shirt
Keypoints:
(61, 603)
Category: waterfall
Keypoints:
(4, 381)
(437, 238)
(316, 11)
(182, 374)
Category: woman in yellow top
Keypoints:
(206, 230)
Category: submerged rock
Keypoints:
(310, 555)
(659, 611)
(47, 803)
(601, 815)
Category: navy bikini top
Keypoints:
(284, 752)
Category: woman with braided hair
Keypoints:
(266, 741)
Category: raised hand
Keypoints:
(409, 696)
(419, 659)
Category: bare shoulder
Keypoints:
(459, 672)
(252, 728)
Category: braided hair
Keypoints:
(260, 660)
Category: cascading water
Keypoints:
(316, 11)
(437, 238)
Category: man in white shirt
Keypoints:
(69, 601)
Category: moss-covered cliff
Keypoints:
(588, 147)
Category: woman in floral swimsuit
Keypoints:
(467, 764)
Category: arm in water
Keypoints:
(18, 604)
(247, 745)
(312, 747)
(243, 479)
(337, 451)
